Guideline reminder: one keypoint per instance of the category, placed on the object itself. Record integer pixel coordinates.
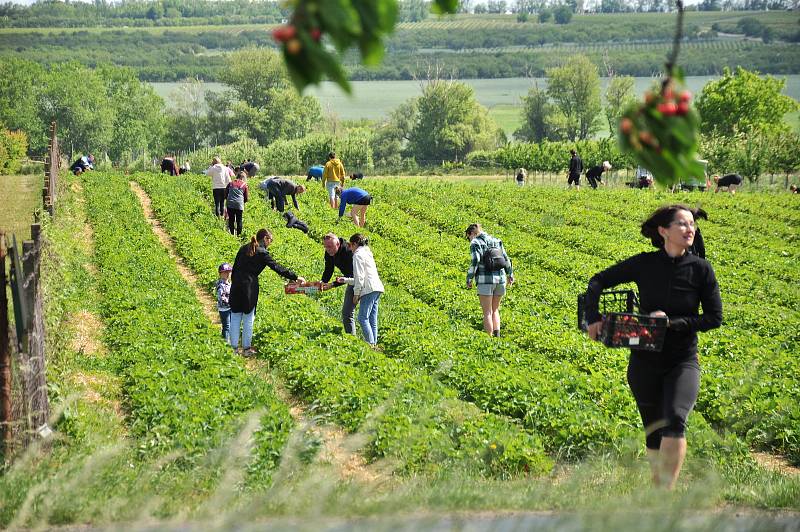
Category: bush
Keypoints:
(13, 147)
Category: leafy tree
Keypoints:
(538, 113)
(186, 125)
(139, 113)
(496, 6)
(450, 123)
(220, 120)
(619, 95)
(413, 11)
(743, 100)
(76, 98)
(20, 80)
(269, 107)
(575, 89)
(390, 139)
(562, 14)
(545, 15)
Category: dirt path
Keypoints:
(776, 463)
(86, 327)
(338, 448)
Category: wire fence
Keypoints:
(24, 404)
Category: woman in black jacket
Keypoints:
(250, 261)
(672, 283)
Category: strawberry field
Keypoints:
(437, 399)
(544, 384)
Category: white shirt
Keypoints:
(365, 278)
(220, 175)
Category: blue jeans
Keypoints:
(239, 319)
(225, 320)
(368, 316)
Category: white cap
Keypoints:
(607, 165)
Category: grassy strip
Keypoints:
(412, 419)
(182, 387)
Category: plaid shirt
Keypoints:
(477, 270)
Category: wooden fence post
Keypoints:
(5, 358)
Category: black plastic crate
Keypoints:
(623, 326)
(610, 301)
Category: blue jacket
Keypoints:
(351, 195)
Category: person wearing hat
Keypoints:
(222, 288)
(594, 175)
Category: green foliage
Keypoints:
(549, 156)
(753, 153)
(619, 96)
(268, 108)
(13, 147)
(105, 109)
(19, 108)
(562, 14)
(346, 23)
(575, 89)
(538, 114)
(182, 387)
(138, 114)
(743, 100)
(450, 123)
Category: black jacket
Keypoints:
(293, 222)
(342, 260)
(575, 166)
(595, 172)
(244, 278)
(677, 286)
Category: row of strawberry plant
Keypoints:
(182, 389)
(415, 420)
(761, 397)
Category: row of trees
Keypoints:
(106, 108)
(109, 110)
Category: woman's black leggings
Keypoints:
(235, 221)
(665, 392)
(219, 201)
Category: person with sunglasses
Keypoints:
(672, 283)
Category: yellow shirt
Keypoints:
(334, 171)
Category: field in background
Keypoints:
(21, 196)
(374, 100)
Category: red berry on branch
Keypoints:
(683, 108)
(626, 126)
(685, 96)
(667, 108)
(316, 34)
(293, 47)
(279, 34)
(291, 32)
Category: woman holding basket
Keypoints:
(672, 283)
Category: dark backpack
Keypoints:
(493, 259)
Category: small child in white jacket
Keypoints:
(367, 286)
